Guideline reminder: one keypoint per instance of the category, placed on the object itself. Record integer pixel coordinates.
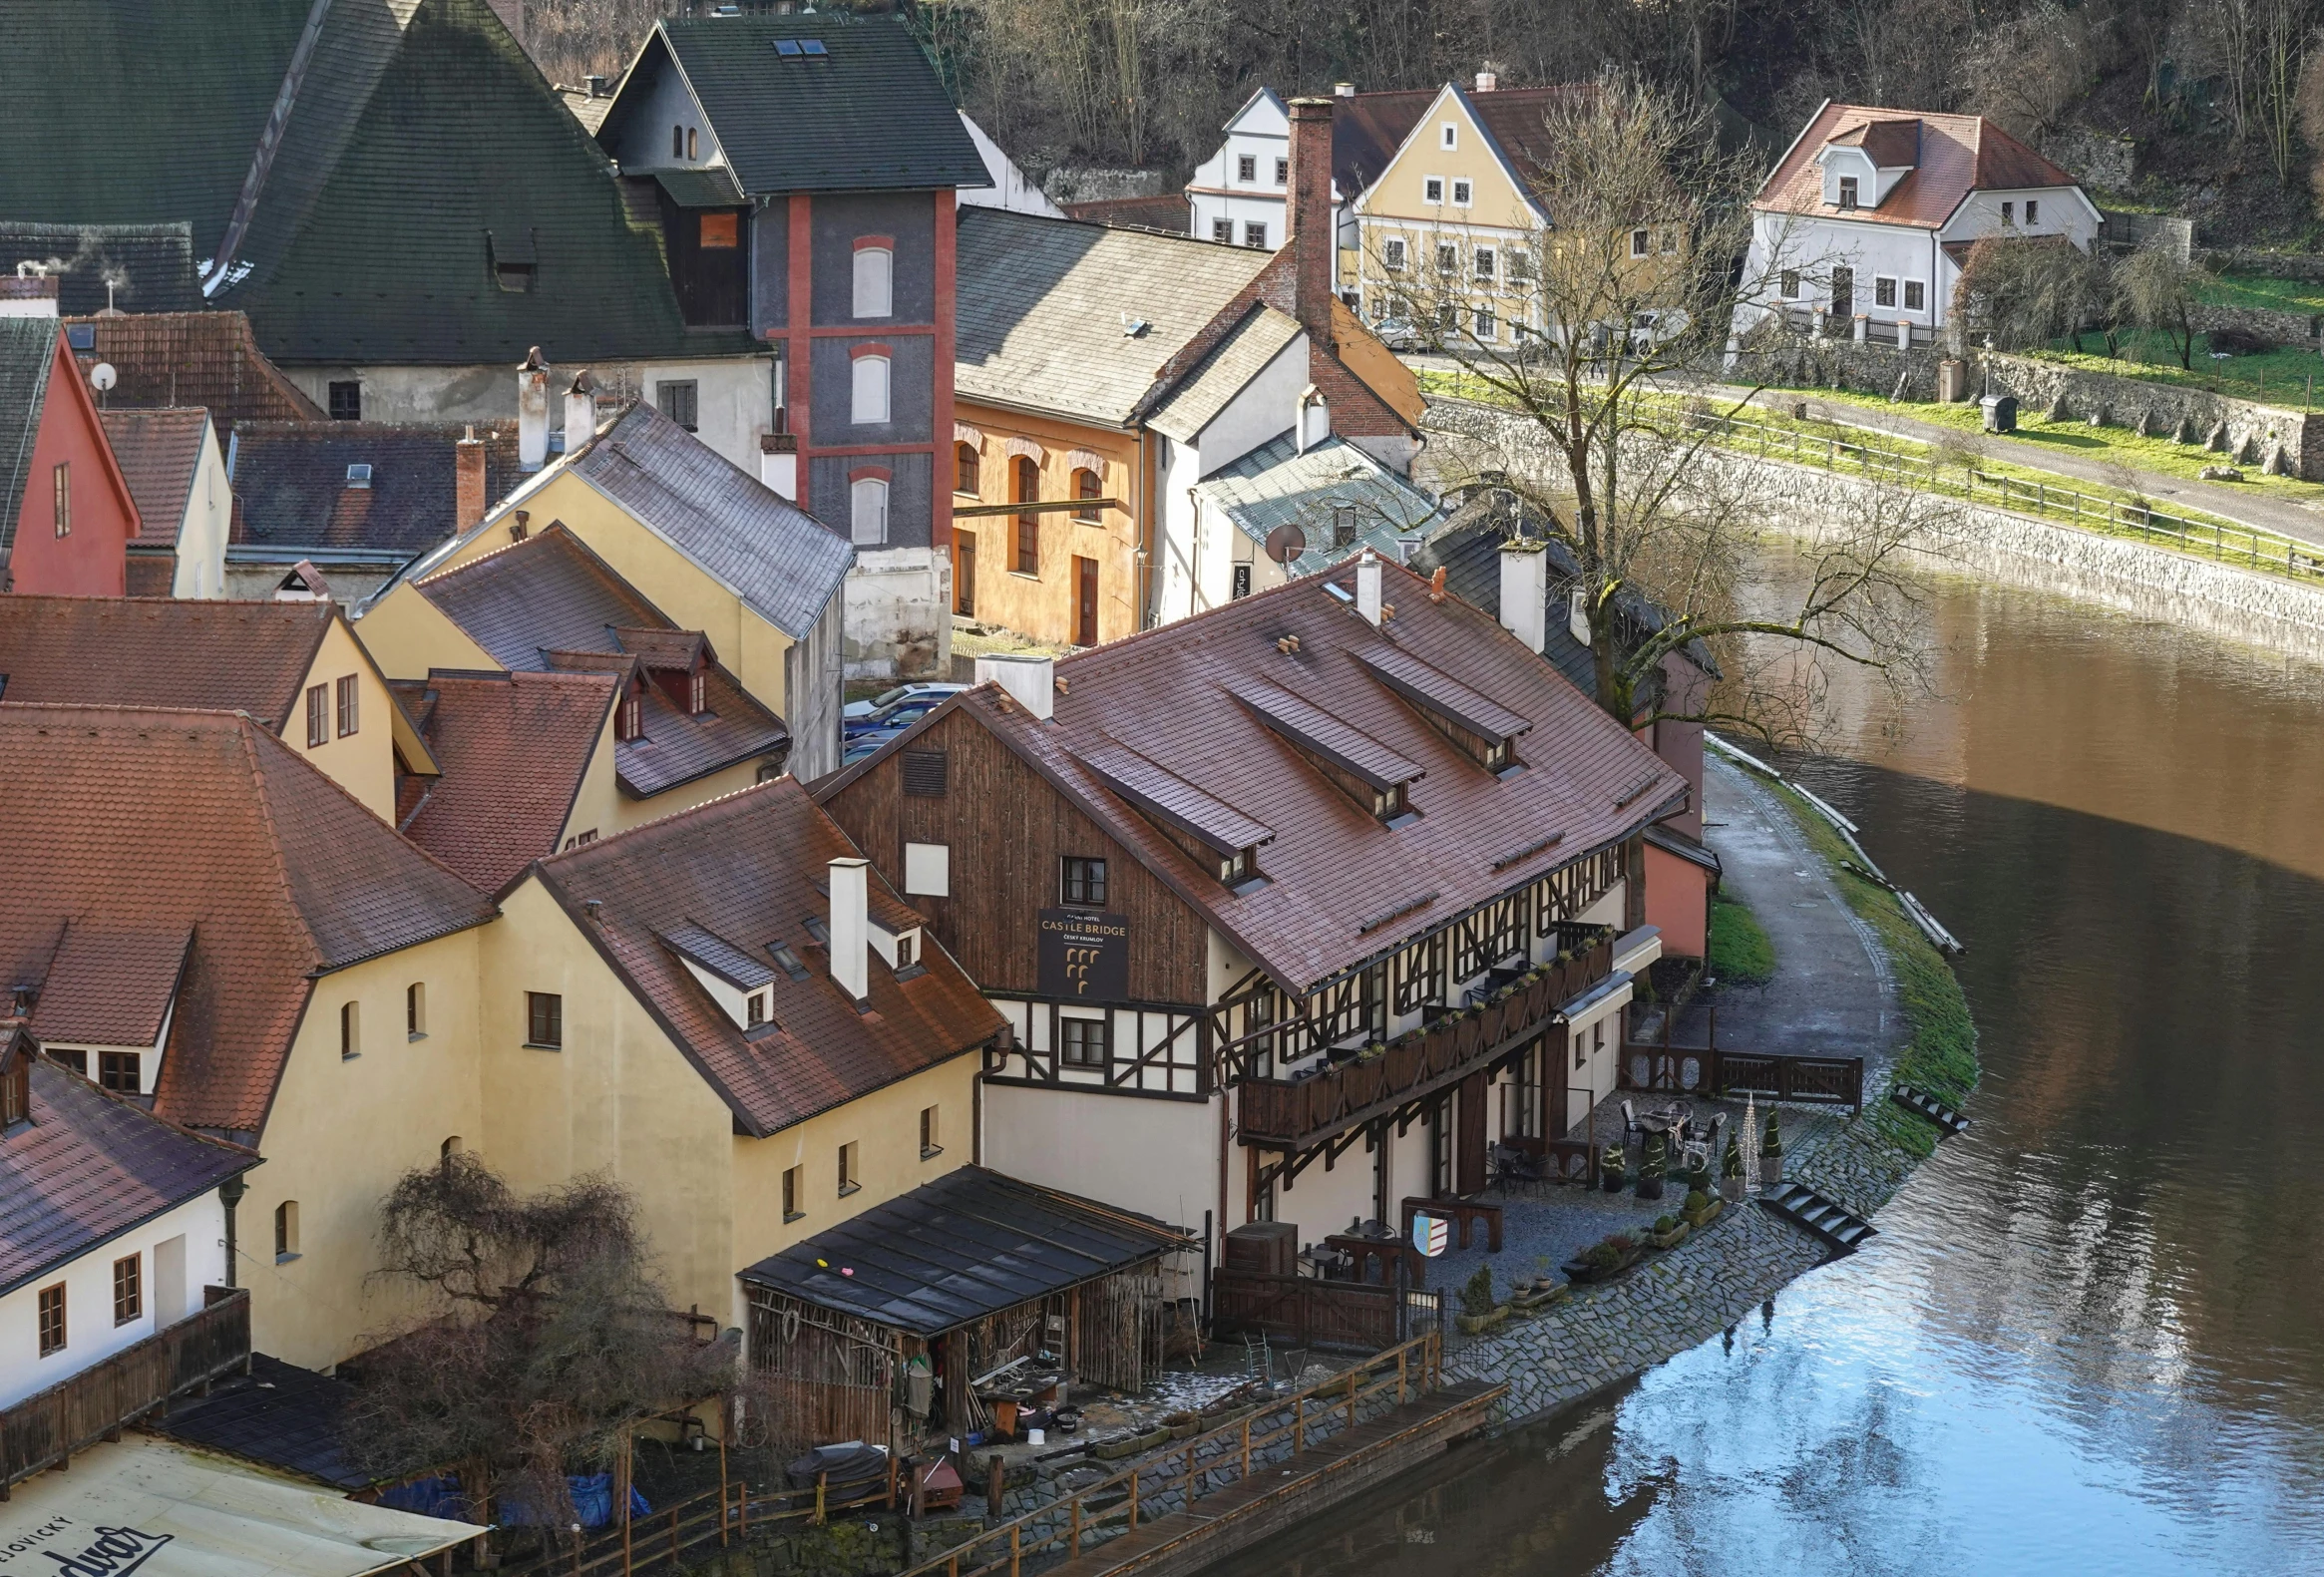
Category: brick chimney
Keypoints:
(1314, 246)
(467, 482)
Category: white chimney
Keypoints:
(1487, 81)
(1344, 90)
(533, 412)
(1028, 679)
(1525, 592)
(1367, 585)
(778, 463)
(28, 295)
(851, 928)
(580, 409)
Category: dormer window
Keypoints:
(754, 1011)
(1848, 192)
(906, 950)
(1499, 756)
(628, 719)
(1240, 867)
(16, 1087)
(1389, 803)
(900, 947)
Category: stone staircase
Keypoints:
(1826, 1218)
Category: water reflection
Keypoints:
(2091, 1331)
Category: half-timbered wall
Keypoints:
(1153, 1051)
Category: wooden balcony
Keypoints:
(46, 1428)
(1292, 1114)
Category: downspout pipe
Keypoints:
(230, 1194)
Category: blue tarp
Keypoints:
(592, 1501)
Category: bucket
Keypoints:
(1035, 1437)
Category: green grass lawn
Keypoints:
(1740, 954)
(2281, 295)
(2277, 377)
(2085, 442)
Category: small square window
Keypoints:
(1247, 169)
(1282, 172)
(676, 397)
(1789, 284)
(1638, 242)
(349, 720)
(1883, 292)
(122, 1072)
(1255, 232)
(1915, 295)
(1391, 258)
(1223, 230)
(545, 1019)
(52, 1320)
(346, 401)
(1085, 1043)
(719, 232)
(129, 1292)
(1433, 190)
(1462, 191)
(1084, 881)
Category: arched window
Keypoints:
(966, 471)
(868, 510)
(677, 142)
(1086, 491)
(1028, 522)
(690, 144)
(870, 402)
(875, 281)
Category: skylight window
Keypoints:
(788, 48)
(788, 959)
(358, 474)
(813, 45)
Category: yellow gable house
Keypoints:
(712, 548)
(730, 1014)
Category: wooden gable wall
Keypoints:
(1009, 829)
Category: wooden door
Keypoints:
(1843, 292)
(1084, 602)
(965, 573)
(1469, 1157)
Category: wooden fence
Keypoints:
(1309, 1312)
(718, 1516)
(46, 1428)
(1409, 1369)
(1710, 1071)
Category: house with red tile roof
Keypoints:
(730, 1012)
(295, 667)
(1865, 222)
(66, 516)
(176, 466)
(268, 964)
(1338, 864)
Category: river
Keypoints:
(2089, 1337)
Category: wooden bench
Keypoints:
(1460, 1212)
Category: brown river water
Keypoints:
(2089, 1337)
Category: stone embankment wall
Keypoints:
(2284, 441)
(2153, 582)
(1796, 362)
(2282, 328)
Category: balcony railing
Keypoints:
(49, 1426)
(1295, 1113)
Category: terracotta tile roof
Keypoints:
(161, 651)
(158, 451)
(195, 358)
(1957, 155)
(277, 871)
(90, 1166)
(110, 985)
(549, 604)
(1332, 868)
(292, 479)
(747, 869)
(511, 748)
(151, 574)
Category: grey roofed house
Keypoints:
(1264, 333)
(338, 491)
(1080, 319)
(89, 1167)
(780, 560)
(851, 104)
(1339, 497)
(131, 268)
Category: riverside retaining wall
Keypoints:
(2250, 433)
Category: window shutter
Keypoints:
(925, 773)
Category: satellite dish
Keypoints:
(1286, 543)
(102, 377)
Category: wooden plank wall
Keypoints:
(1009, 829)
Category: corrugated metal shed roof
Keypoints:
(967, 1245)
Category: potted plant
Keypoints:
(1771, 1152)
(1700, 1209)
(1610, 1167)
(1651, 1167)
(1731, 1171)
(1604, 1260)
(1478, 1312)
(1669, 1232)
(1696, 1176)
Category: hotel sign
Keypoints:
(1085, 956)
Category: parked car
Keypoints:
(897, 709)
(858, 746)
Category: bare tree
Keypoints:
(547, 1335)
(2160, 293)
(2284, 46)
(1637, 281)
(2029, 71)
(2025, 291)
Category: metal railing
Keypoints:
(1145, 1487)
(1710, 1071)
(2205, 537)
(46, 1428)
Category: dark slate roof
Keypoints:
(777, 557)
(870, 114)
(746, 867)
(89, 1167)
(290, 479)
(28, 350)
(1468, 548)
(967, 1245)
(280, 1415)
(157, 452)
(367, 239)
(547, 603)
(143, 819)
(700, 189)
(150, 266)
